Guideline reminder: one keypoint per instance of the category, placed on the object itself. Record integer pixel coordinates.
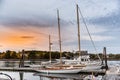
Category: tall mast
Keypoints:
(78, 30)
(59, 36)
(50, 48)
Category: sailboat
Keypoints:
(60, 68)
(84, 59)
(69, 68)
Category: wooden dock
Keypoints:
(24, 69)
(28, 69)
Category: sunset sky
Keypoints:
(26, 24)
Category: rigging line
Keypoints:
(89, 33)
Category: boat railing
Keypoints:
(10, 78)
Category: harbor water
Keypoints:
(39, 76)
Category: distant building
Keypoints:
(82, 52)
(83, 55)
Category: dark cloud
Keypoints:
(110, 21)
(13, 15)
(1, 1)
(27, 21)
(1, 4)
(27, 37)
(36, 21)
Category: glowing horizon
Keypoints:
(26, 24)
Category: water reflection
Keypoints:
(21, 75)
(39, 76)
(9, 64)
(112, 77)
(68, 76)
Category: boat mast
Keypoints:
(50, 48)
(59, 36)
(78, 30)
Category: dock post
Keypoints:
(21, 75)
(102, 58)
(92, 76)
(106, 66)
(21, 64)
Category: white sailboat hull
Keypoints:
(92, 67)
(70, 70)
(61, 71)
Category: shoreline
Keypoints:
(39, 60)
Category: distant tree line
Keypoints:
(33, 54)
(109, 56)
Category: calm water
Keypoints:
(39, 76)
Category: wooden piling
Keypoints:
(21, 64)
(106, 65)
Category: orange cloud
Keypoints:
(17, 40)
(30, 38)
(26, 37)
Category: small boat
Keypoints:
(62, 70)
(67, 69)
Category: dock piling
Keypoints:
(106, 65)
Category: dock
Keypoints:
(29, 69)
(24, 69)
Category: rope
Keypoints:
(89, 34)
